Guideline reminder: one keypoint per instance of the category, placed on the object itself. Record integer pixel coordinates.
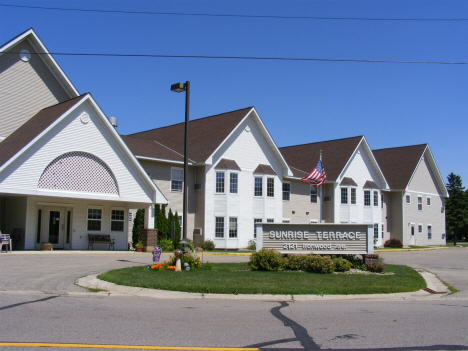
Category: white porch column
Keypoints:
(149, 217)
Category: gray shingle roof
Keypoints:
(205, 135)
(398, 164)
(302, 159)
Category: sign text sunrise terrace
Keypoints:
(321, 235)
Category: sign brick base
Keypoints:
(149, 238)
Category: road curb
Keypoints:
(111, 289)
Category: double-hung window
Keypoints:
(117, 220)
(220, 182)
(366, 197)
(376, 231)
(233, 183)
(232, 227)
(258, 186)
(419, 203)
(420, 228)
(428, 201)
(94, 219)
(219, 227)
(429, 232)
(344, 195)
(408, 199)
(313, 194)
(353, 196)
(271, 187)
(256, 220)
(286, 191)
(177, 178)
(376, 198)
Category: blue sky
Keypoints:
(391, 104)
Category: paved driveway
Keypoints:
(57, 271)
(450, 265)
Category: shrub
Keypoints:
(318, 264)
(252, 245)
(393, 243)
(165, 244)
(190, 244)
(192, 260)
(266, 260)
(295, 262)
(356, 261)
(138, 224)
(376, 266)
(342, 265)
(207, 245)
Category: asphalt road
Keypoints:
(39, 302)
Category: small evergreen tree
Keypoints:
(138, 225)
(456, 216)
(177, 230)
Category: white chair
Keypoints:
(5, 240)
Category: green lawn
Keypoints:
(236, 278)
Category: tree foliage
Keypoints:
(456, 216)
(138, 225)
(164, 225)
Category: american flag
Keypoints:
(317, 177)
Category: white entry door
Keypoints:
(54, 226)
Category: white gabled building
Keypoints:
(415, 204)
(235, 174)
(64, 170)
(352, 192)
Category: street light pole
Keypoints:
(180, 87)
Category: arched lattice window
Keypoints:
(79, 171)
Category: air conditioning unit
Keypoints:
(197, 231)
(198, 186)
(328, 198)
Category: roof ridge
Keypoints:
(324, 141)
(400, 147)
(193, 120)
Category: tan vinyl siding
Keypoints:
(160, 173)
(25, 88)
(328, 190)
(423, 180)
(395, 215)
(300, 203)
(200, 199)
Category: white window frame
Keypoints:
(268, 188)
(376, 231)
(344, 196)
(231, 182)
(218, 191)
(117, 220)
(383, 230)
(270, 220)
(420, 204)
(173, 180)
(217, 227)
(288, 192)
(367, 192)
(313, 194)
(428, 201)
(420, 228)
(375, 201)
(353, 190)
(429, 231)
(255, 186)
(233, 221)
(256, 220)
(100, 208)
(408, 199)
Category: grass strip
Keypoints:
(236, 278)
